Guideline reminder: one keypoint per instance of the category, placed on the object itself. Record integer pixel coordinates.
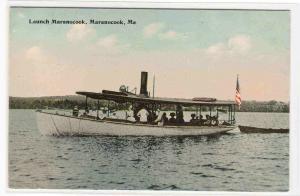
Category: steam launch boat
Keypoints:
(124, 112)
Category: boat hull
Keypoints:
(55, 124)
(247, 129)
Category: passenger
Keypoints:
(193, 120)
(179, 115)
(158, 118)
(207, 116)
(129, 114)
(207, 121)
(193, 116)
(152, 117)
(164, 117)
(75, 111)
(214, 121)
(201, 121)
(162, 120)
(172, 120)
(143, 115)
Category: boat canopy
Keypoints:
(121, 98)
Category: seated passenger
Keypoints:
(179, 115)
(129, 116)
(164, 117)
(201, 121)
(193, 120)
(143, 115)
(161, 121)
(75, 111)
(214, 121)
(172, 120)
(207, 120)
(151, 118)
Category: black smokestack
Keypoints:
(144, 80)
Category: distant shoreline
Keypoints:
(69, 101)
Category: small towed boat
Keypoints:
(248, 129)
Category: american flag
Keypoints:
(238, 98)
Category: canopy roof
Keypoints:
(157, 100)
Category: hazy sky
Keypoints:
(192, 53)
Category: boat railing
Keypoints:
(91, 115)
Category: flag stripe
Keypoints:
(238, 98)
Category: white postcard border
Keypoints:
(294, 88)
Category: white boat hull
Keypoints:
(54, 124)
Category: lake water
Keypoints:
(230, 162)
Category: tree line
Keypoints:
(69, 102)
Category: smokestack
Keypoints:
(144, 80)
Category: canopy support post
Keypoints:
(86, 104)
(234, 113)
(229, 114)
(98, 107)
(108, 109)
(200, 110)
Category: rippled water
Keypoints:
(230, 162)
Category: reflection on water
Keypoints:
(229, 162)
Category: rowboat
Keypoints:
(83, 122)
(248, 129)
